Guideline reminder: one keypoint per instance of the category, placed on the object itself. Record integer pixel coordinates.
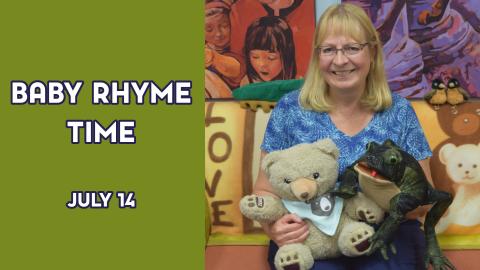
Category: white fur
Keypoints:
(463, 167)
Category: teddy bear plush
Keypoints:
(302, 177)
(463, 167)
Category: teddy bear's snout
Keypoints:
(304, 189)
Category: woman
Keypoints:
(269, 51)
(346, 98)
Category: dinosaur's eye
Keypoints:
(393, 159)
(460, 165)
(474, 166)
(287, 181)
(316, 175)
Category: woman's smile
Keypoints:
(343, 72)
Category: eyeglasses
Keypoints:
(349, 49)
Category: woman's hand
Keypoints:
(288, 229)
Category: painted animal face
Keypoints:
(462, 162)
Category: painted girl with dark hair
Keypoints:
(269, 51)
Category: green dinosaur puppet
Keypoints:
(396, 182)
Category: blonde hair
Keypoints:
(351, 21)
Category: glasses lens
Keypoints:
(328, 51)
(353, 49)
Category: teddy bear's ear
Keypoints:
(445, 151)
(328, 146)
(268, 161)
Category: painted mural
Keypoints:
(258, 40)
(250, 41)
(426, 40)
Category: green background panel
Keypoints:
(101, 40)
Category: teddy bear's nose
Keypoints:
(304, 195)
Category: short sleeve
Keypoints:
(413, 138)
(276, 136)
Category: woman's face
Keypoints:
(343, 72)
(217, 31)
(267, 64)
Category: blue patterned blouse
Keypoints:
(290, 124)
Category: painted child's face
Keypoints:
(217, 31)
(267, 64)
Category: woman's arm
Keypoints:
(289, 228)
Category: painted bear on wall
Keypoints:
(462, 125)
(463, 167)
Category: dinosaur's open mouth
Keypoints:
(362, 246)
(364, 169)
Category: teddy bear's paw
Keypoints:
(362, 208)
(259, 208)
(293, 257)
(354, 239)
(370, 215)
(252, 205)
(254, 201)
